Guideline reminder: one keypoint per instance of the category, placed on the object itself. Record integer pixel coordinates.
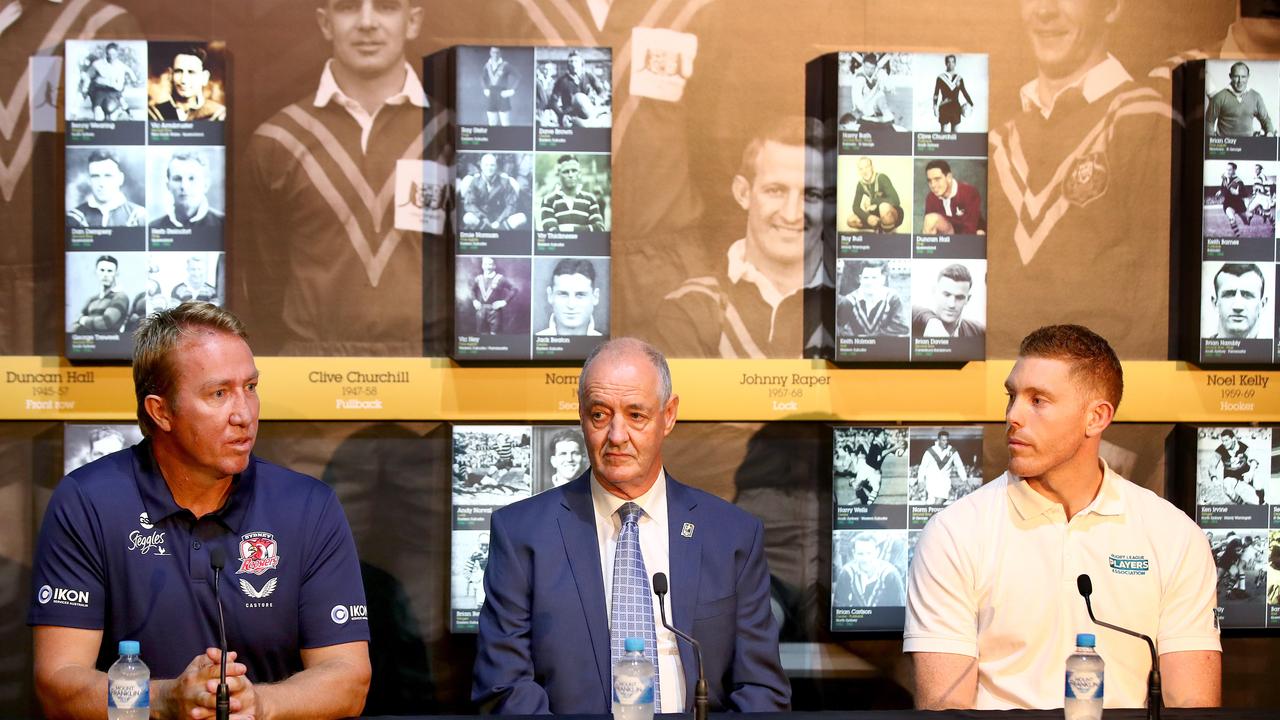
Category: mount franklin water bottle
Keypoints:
(1083, 700)
(129, 685)
(633, 683)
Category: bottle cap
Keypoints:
(129, 647)
(1085, 640)
(634, 644)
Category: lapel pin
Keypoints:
(687, 530)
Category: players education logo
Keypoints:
(1087, 179)
(1129, 564)
(258, 553)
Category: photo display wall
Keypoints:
(494, 466)
(533, 209)
(886, 484)
(911, 196)
(1229, 196)
(145, 186)
(1237, 504)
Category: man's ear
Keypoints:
(160, 412)
(742, 191)
(322, 19)
(669, 415)
(1098, 417)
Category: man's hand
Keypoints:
(245, 702)
(194, 693)
(499, 304)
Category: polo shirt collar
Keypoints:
(196, 217)
(1100, 80)
(1030, 504)
(740, 268)
(157, 498)
(411, 91)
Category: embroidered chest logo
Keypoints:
(151, 543)
(248, 589)
(1129, 564)
(1087, 180)
(258, 553)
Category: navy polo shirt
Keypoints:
(117, 554)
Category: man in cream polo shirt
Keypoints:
(992, 606)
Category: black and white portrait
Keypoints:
(561, 454)
(948, 298)
(572, 296)
(1239, 198)
(869, 466)
(82, 444)
(187, 82)
(106, 80)
(495, 86)
(873, 298)
(185, 276)
(868, 568)
(468, 557)
(573, 192)
(874, 194)
(1241, 557)
(945, 464)
(1237, 300)
(949, 93)
(492, 464)
(186, 187)
(495, 191)
(573, 87)
(1241, 97)
(102, 289)
(492, 295)
(875, 91)
(1233, 465)
(106, 187)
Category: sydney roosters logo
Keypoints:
(258, 553)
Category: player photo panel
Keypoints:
(495, 86)
(1233, 466)
(186, 191)
(1241, 556)
(945, 464)
(950, 196)
(874, 194)
(560, 455)
(875, 92)
(948, 298)
(873, 298)
(82, 444)
(571, 296)
(102, 291)
(106, 80)
(495, 192)
(573, 192)
(1242, 98)
(1239, 200)
(470, 555)
(492, 464)
(1237, 300)
(106, 187)
(186, 82)
(869, 468)
(573, 87)
(949, 93)
(493, 295)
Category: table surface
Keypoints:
(1138, 714)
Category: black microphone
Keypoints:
(1154, 701)
(700, 690)
(218, 559)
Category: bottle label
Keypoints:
(124, 694)
(632, 690)
(1084, 685)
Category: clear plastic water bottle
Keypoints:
(633, 683)
(1083, 700)
(129, 685)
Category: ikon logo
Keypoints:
(340, 614)
(63, 596)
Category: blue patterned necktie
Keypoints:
(632, 614)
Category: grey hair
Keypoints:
(623, 345)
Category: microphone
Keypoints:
(218, 559)
(1085, 586)
(700, 690)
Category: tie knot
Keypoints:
(630, 513)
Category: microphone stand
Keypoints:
(700, 689)
(1154, 697)
(223, 704)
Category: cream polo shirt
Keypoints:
(994, 577)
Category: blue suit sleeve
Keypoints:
(759, 684)
(503, 680)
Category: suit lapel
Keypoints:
(581, 546)
(686, 564)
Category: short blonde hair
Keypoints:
(160, 334)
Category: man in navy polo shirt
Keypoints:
(125, 547)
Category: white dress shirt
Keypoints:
(655, 548)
